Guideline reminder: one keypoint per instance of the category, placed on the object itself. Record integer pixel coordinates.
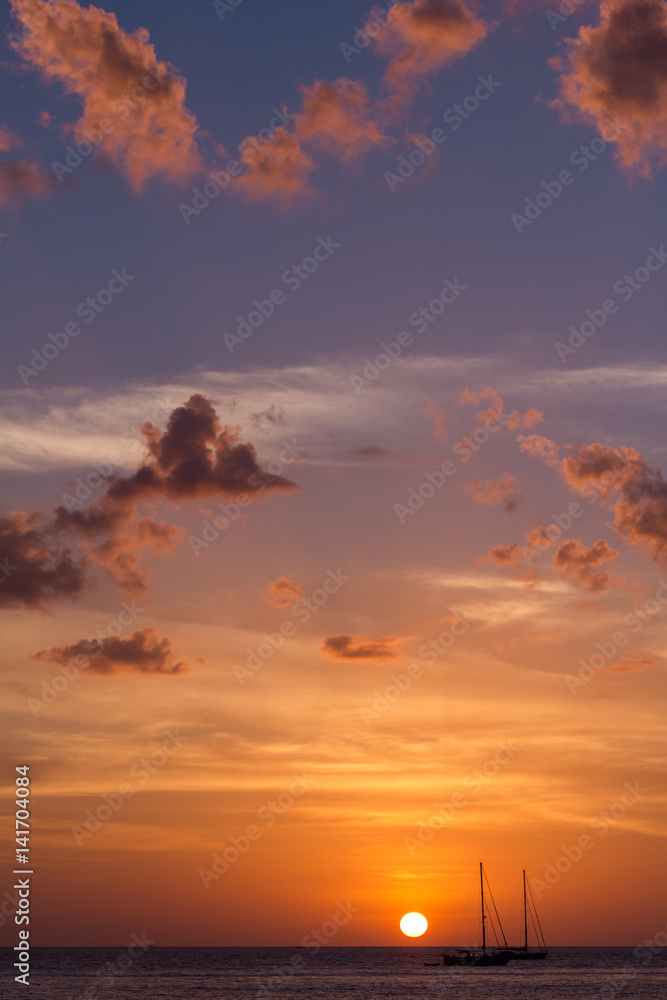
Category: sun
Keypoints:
(414, 924)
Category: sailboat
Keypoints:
(524, 952)
(475, 957)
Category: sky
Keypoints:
(333, 540)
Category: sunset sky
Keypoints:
(334, 531)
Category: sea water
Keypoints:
(332, 974)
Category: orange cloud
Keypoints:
(641, 512)
(337, 117)
(440, 418)
(640, 491)
(617, 71)
(505, 491)
(119, 79)
(629, 665)
(575, 559)
(607, 468)
(540, 447)
(278, 169)
(350, 647)
(470, 398)
(514, 420)
(283, 591)
(143, 652)
(423, 36)
(538, 540)
(505, 555)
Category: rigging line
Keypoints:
(514, 909)
(534, 910)
(532, 924)
(496, 911)
(463, 913)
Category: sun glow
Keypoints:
(414, 924)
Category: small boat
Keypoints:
(475, 956)
(524, 952)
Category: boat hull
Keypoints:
(473, 959)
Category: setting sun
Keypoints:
(414, 924)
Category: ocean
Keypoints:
(332, 974)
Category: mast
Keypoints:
(525, 914)
(481, 882)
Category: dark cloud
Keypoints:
(351, 647)
(143, 652)
(272, 415)
(636, 492)
(36, 566)
(193, 458)
(617, 71)
(421, 37)
(606, 468)
(573, 558)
